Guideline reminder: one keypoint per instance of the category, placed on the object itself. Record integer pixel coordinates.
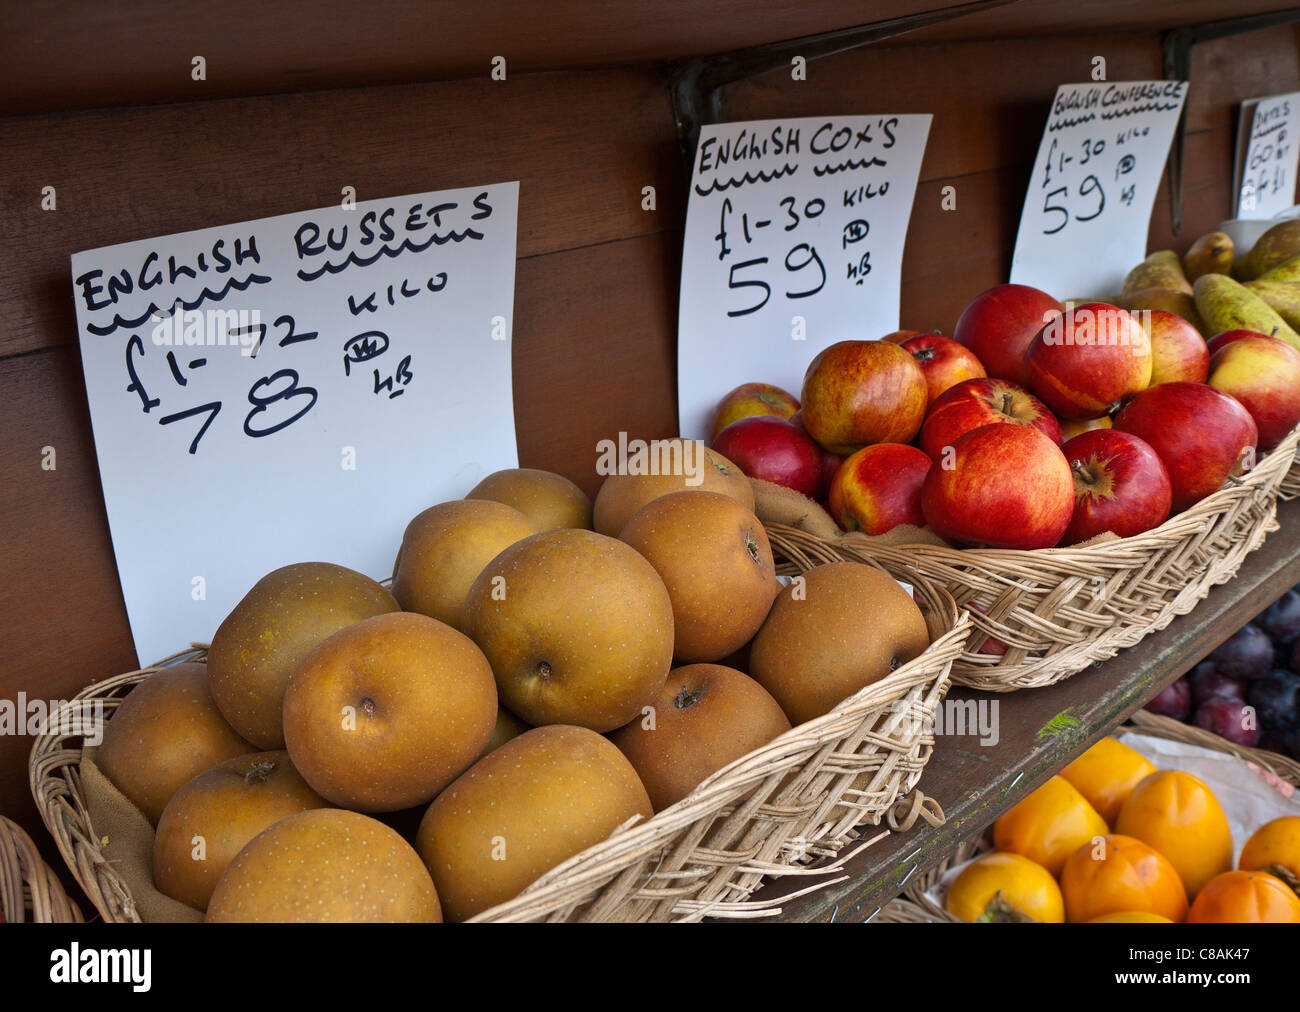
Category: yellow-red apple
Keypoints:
(879, 487)
(1072, 427)
(1083, 363)
(1178, 351)
(1120, 485)
(1228, 336)
(999, 324)
(944, 362)
(1201, 435)
(856, 393)
(773, 449)
(1264, 374)
(978, 402)
(1005, 486)
(751, 399)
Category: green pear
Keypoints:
(1212, 253)
(1276, 246)
(1167, 300)
(1288, 270)
(1161, 269)
(1282, 296)
(1225, 304)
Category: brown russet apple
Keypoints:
(975, 403)
(446, 547)
(944, 362)
(327, 865)
(879, 487)
(999, 324)
(839, 628)
(209, 820)
(387, 712)
(749, 400)
(518, 812)
(549, 500)
(508, 726)
(578, 629)
(1178, 351)
(1263, 373)
(674, 466)
(286, 615)
(774, 450)
(1202, 436)
(1120, 485)
(1082, 364)
(716, 562)
(1004, 486)
(856, 393)
(705, 717)
(166, 731)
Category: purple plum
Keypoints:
(1276, 699)
(1174, 700)
(1207, 682)
(1230, 719)
(1247, 654)
(1281, 619)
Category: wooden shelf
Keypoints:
(1040, 731)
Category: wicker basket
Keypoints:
(1059, 610)
(793, 807)
(1290, 487)
(914, 906)
(29, 889)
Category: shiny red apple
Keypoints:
(879, 487)
(1120, 485)
(1178, 351)
(1264, 374)
(751, 399)
(1200, 434)
(944, 362)
(1083, 363)
(978, 402)
(1006, 486)
(856, 393)
(773, 449)
(999, 324)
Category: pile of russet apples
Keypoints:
(1036, 424)
(529, 685)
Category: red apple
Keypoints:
(1228, 336)
(899, 336)
(1264, 374)
(879, 487)
(992, 645)
(856, 393)
(1072, 427)
(1083, 363)
(751, 399)
(944, 362)
(999, 324)
(1200, 434)
(773, 449)
(978, 402)
(1178, 351)
(831, 463)
(1120, 485)
(1007, 486)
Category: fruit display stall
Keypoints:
(1038, 608)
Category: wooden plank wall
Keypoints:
(597, 276)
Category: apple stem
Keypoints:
(1006, 404)
(686, 698)
(259, 771)
(1082, 471)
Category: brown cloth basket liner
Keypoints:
(912, 906)
(799, 805)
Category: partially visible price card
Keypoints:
(794, 241)
(292, 389)
(1094, 183)
(1267, 155)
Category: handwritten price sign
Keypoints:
(1267, 156)
(794, 240)
(292, 389)
(1088, 207)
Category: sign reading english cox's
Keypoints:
(794, 241)
(293, 389)
(1093, 186)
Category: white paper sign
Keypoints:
(794, 241)
(1088, 207)
(327, 375)
(1267, 156)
